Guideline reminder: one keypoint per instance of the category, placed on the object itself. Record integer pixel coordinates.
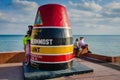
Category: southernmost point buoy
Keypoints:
(51, 41)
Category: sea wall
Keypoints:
(16, 57)
(116, 59)
(12, 57)
(100, 57)
(112, 59)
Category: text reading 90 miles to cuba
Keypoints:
(42, 41)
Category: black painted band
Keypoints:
(57, 66)
(52, 42)
(39, 33)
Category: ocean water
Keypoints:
(98, 44)
(10, 43)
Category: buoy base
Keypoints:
(52, 66)
(31, 73)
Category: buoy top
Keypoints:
(54, 15)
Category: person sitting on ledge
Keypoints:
(83, 48)
(76, 47)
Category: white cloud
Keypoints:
(93, 6)
(24, 11)
(112, 10)
(21, 12)
(19, 15)
(116, 20)
(92, 18)
(4, 17)
(87, 17)
(87, 6)
(11, 28)
(112, 6)
(24, 5)
(81, 16)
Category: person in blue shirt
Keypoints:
(76, 47)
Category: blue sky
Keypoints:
(87, 17)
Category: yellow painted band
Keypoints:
(51, 50)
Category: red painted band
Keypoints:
(52, 58)
(52, 15)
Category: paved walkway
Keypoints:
(15, 72)
(11, 71)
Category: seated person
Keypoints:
(76, 47)
(83, 48)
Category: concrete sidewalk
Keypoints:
(14, 71)
(100, 72)
(11, 71)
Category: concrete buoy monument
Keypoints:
(52, 46)
(51, 43)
